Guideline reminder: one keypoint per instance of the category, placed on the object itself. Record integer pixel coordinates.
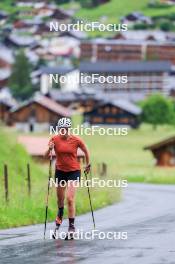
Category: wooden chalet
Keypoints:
(38, 114)
(81, 101)
(136, 17)
(117, 112)
(60, 14)
(5, 111)
(164, 152)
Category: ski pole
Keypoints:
(90, 202)
(48, 191)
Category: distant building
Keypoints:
(129, 49)
(144, 35)
(17, 41)
(60, 14)
(114, 113)
(135, 18)
(3, 17)
(38, 114)
(74, 34)
(111, 50)
(50, 77)
(143, 77)
(6, 61)
(164, 152)
(4, 111)
(4, 77)
(36, 147)
(78, 100)
(171, 2)
(6, 103)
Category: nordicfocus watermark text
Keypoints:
(92, 183)
(81, 130)
(88, 79)
(90, 235)
(87, 27)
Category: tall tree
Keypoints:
(20, 81)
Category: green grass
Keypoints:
(25, 210)
(115, 9)
(107, 13)
(127, 159)
(112, 10)
(6, 5)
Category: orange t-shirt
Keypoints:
(66, 152)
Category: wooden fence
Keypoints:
(6, 181)
(100, 169)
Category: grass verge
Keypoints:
(25, 210)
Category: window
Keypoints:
(97, 120)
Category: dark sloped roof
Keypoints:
(161, 144)
(123, 104)
(60, 96)
(57, 70)
(5, 102)
(47, 103)
(125, 66)
(21, 40)
(75, 34)
(127, 106)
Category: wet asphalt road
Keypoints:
(147, 214)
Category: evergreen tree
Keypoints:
(20, 81)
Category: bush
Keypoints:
(141, 26)
(157, 4)
(165, 26)
(158, 110)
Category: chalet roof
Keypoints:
(129, 42)
(74, 34)
(5, 102)
(125, 66)
(121, 103)
(36, 21)
(4, 73)
(136, 16)
(60, 13)
(72, 96)
(36, 146)
(46, 103)
(157, 35)
(6, 54)
(62, 96)
(6, 97)
(62, 69)
(21, 40)
(161, 144)
(127, 106)
(3, 14)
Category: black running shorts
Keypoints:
(66, 176)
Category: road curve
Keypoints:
(146, 213)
